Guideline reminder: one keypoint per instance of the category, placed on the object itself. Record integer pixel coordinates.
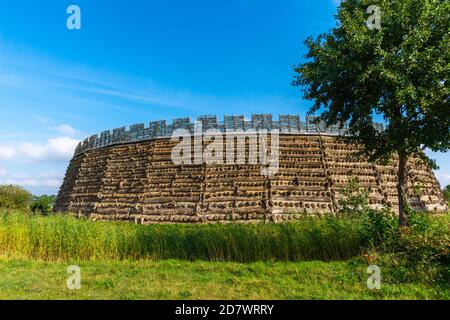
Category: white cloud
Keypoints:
(3, 172)
(444, 179)
(152, 94)
(45, 179)
(41, 183)
(68, 84)
(58, 149)
(6, 152)
(66, 130)
(42, 119)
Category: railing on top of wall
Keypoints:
(161, 129)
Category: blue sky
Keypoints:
(141, 60)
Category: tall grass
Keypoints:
(62, 237)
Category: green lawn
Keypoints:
(176, 279)
(311, 259)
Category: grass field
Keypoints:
(175, 279)
(62, 237)
(312, 259)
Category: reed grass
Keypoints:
(65, 238)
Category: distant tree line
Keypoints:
(447, 193)
(14, 197)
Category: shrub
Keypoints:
(426, 247)
(42, 204)
(419, 252)
(382, 227)
(447, 193)
(355, 200)
(14, 197)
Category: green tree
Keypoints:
(42, 204)
(14, 197)
(399, 71)
(447, 193)
(355, 200)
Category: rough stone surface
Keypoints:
(138, 182)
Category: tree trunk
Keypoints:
(401, 189)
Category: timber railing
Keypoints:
(161, 129)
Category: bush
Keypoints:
(42, 204)
(355, 200)
(446, 192)
(14, 197)
(426, 247)
(419, 252)
(381, 225)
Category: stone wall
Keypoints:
(139, 182)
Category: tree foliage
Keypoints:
(42, 204)
(14, 197)
(447, 193)
(400, 72)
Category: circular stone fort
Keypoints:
(259, 170)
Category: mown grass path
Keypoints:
(175, 279)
